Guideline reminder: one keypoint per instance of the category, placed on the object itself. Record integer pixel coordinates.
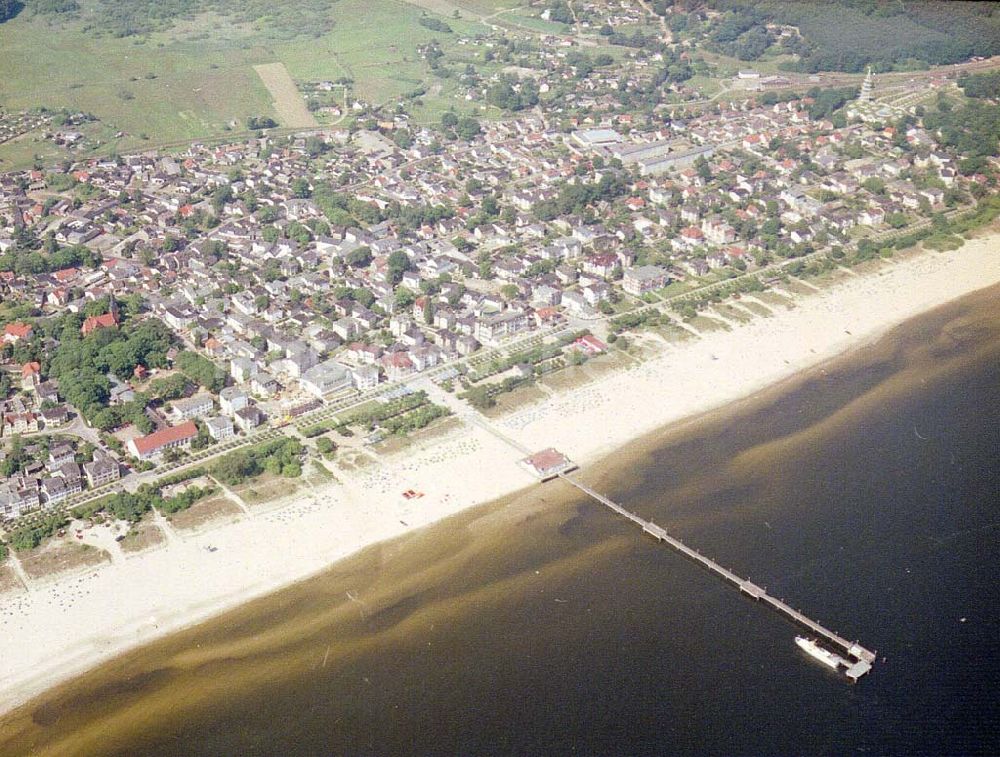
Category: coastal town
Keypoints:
(162, 308)
(494, 337)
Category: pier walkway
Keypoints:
(862, 658)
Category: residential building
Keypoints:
(197, 406)
(153, 445)
(325, 378)
(641, 279)
(248, 418)
(233, 398)
(220, 427)
(103, 470)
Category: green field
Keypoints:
(196, 79)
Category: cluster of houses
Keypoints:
(13, 125)
(297, 309)
(49, 478)
(37, 406)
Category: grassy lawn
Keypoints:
(797, 288)
(349, 460)
(674, 288)
(375, 45)
(510, 401)
(198, 86)
(727, 67)
(518, 18)
(707, 85)
(196, 80)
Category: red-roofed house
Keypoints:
(66, 274)
(547, 315)
(146, 447)
(397, 365)
(95, 322)
(20, 423)
(15, 332)
(214, 347)
(691, 236)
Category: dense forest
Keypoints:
(973, 129)
(849, 35)
(123, 19)
(982, 86)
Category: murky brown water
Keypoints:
(865, 492)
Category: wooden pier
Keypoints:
(862, 658)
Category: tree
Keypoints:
(236, 467)
(363, 297)
(15, 459)
(360, 257)
(703, 169)
(221, 195)
(397, 265)
(485, 268)
(468, 129)
(201, 370)
(300, 188)
(404, 297)
(256, 123)
(874, 185)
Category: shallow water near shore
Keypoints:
(864, 492)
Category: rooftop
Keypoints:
(146, 444)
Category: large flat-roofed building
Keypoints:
(630, 153)
(325, 378)
(657, 164)
(591, 138)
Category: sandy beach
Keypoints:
(58, 629)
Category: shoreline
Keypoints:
(152, 594)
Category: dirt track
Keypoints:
(288, 102)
